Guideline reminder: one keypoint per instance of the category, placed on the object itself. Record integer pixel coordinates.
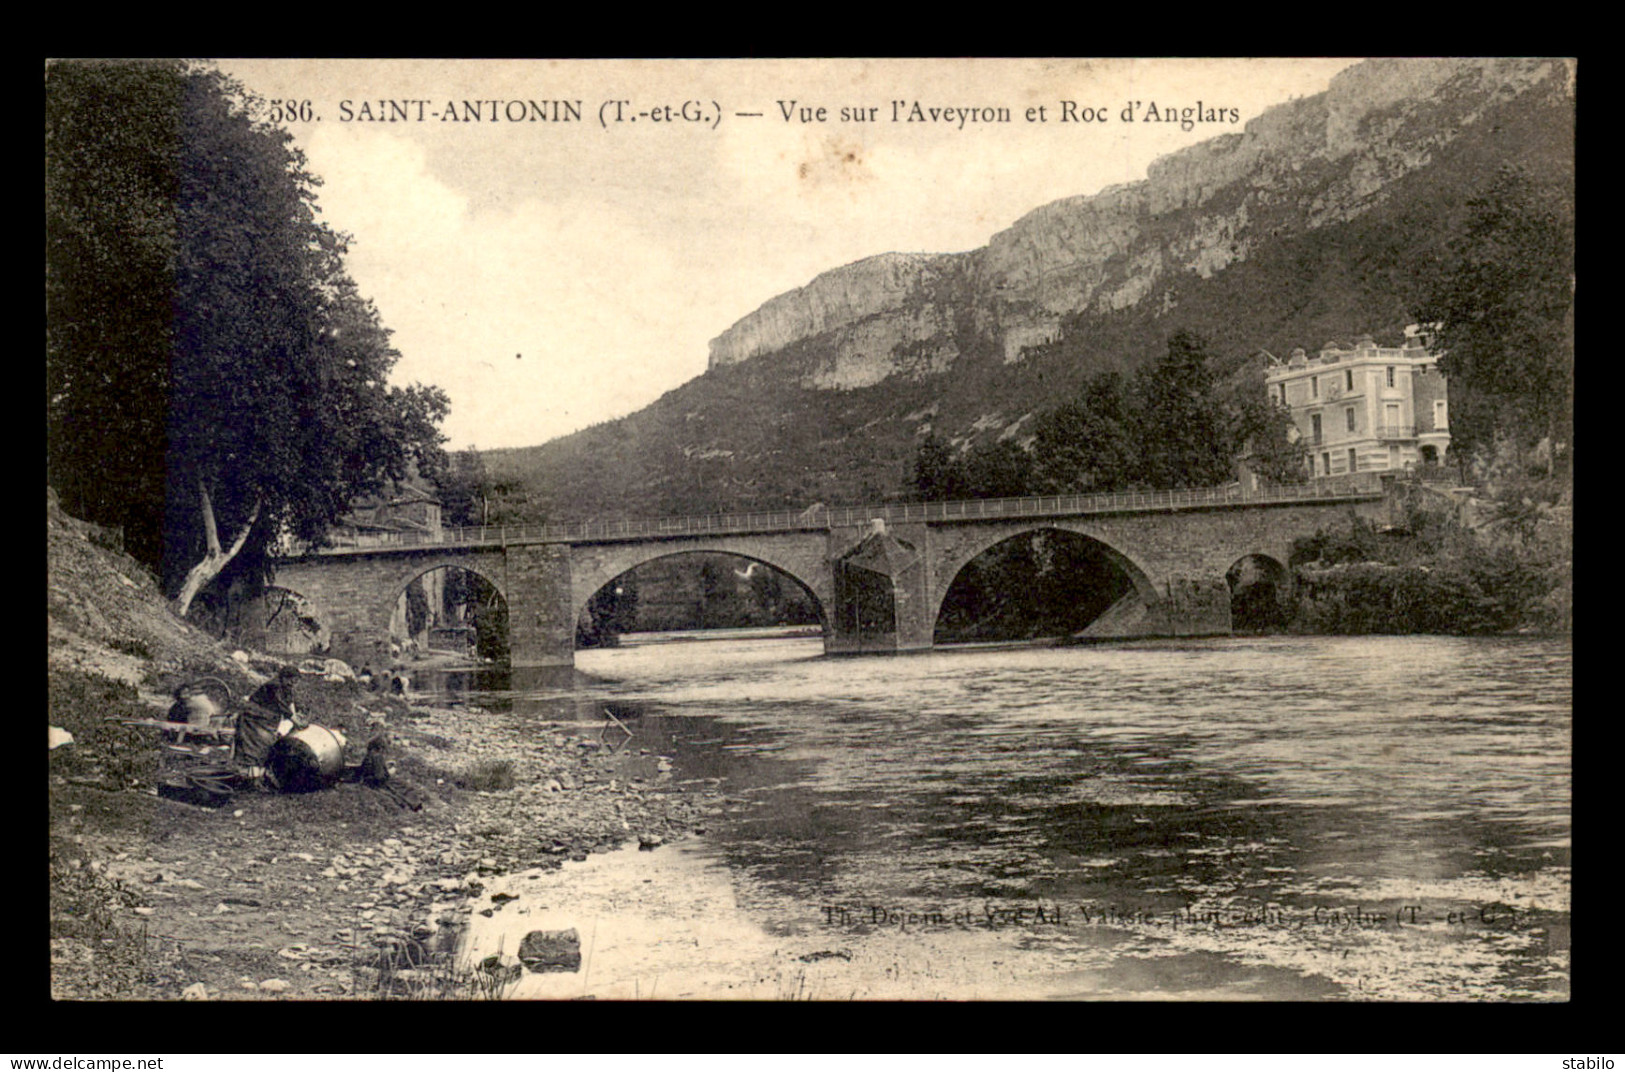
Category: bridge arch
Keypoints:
(411, 571)
(401, 580)
(587, 582)
(1260, 585)
(963, 552)
(293, 622)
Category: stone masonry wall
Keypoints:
(1177, 562)
(354, 595)
(541, 616)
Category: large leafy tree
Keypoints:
(1181, 430)
(209, 363)
(463, 489)
(1000, 469)
(112, 177)
(934, 476)
(1503, 304)
(1084, 445)
(1171, 427)
(1261, 428)
(470, 495)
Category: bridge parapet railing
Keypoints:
(1363, 485)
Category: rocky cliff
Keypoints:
(1321, 219)
(1299, 166)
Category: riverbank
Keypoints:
(342, 892)
(321, 895)
(1501, 564)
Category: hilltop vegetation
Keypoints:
(755, 435)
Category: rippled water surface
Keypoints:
(1296, 817)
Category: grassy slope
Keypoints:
(149, 896)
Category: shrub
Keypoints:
(488, 775)
(87, 705)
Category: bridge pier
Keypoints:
(349, 601)
(882, 589)
(541, 614)
(1196, 606)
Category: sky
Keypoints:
(552, 275)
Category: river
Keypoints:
(1381, 818)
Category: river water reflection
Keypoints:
(1282, 817)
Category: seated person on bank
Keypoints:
(280, 696)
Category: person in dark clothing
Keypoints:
(280, 696)
(375, 767)
(261, 724)
(374, 772)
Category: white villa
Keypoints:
(1365, 407)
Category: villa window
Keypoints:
(1441, 415)
(1353, 460)
(1314, 387)
(1349, 414)
(1390, 375)
(1348, 380)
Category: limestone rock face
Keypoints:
(1301, 165)
(916, 343)
(833, 300)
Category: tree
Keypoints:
(989, 471)
(466, 490)
(712, 609)
(1277, 453)
(611, 611)
(998, 470)
(1503, 310)
(767, 593)
(1180, 428)
(111, 184)
(209, 363)
(417, 608)
(1084, 445)
(1261, 428)
(933, 469)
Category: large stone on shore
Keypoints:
(551, 951)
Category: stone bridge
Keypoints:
(879, 574)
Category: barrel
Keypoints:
(306, 760)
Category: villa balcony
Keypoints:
(1396, 431)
